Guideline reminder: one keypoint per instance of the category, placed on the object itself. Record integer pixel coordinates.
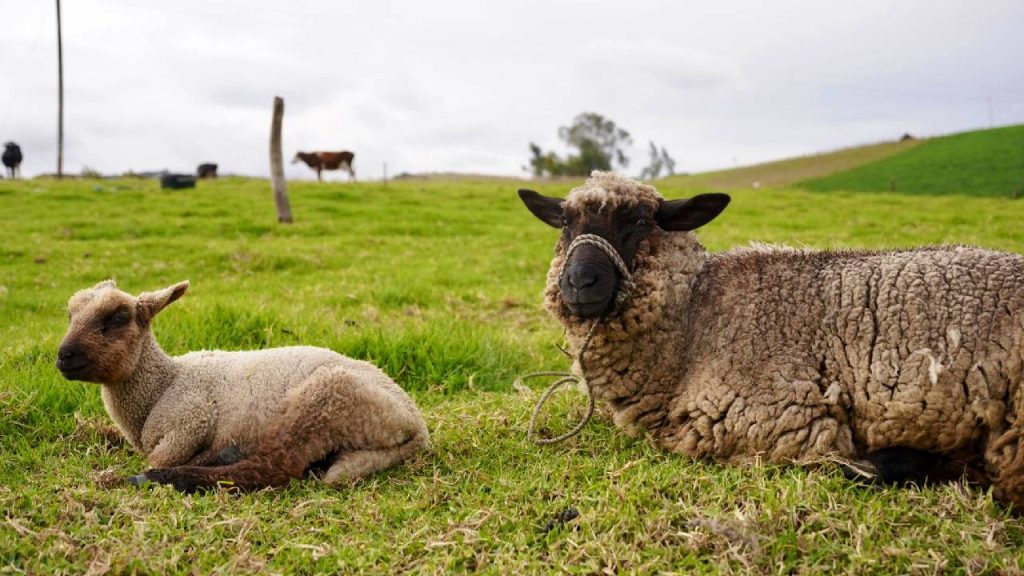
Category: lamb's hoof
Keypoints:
(139, 480)
(180, 482)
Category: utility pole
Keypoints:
(60, 98)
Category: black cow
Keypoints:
(12, 159)
(207, 170)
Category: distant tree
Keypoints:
(598, 144)
(659, 161)
(598, 140)
(545, 164)
(670, 162)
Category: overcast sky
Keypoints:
(466, 85)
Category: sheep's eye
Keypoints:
(643, 223)
(565, 222)
(116, 320)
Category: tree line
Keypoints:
(596, 143)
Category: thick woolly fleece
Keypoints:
(799, 355)
(282, 409)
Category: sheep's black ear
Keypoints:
(150, 303)
(549, 210)
(690, 213)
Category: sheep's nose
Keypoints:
(68, 352)
(582, 278)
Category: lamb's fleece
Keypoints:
(282, 409)
(798, 355)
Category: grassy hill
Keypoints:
(786, 172)
(981, 163)
(439, 283)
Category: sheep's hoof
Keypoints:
(139, 480)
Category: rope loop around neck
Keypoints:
(626, 288)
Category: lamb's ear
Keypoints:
(150, 303)
(548, 210)
(105, 284)
(690, 213)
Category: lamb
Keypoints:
(253, 418)
(901, 365)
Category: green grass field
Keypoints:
(981, 163)
(439, 283)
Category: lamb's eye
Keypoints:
(643, 223)
(116, 320)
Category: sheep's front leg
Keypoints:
(178, 429)
(174, 448)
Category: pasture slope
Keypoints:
(980, 163)
(781, 173)
(439, 283)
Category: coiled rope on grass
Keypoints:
(625, 291)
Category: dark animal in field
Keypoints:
(320, 161)
(12, 159)
(901, 365)
(207, 170)
(177, 181)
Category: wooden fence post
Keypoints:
(284, 209)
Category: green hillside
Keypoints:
(982, 163)
(786, 172)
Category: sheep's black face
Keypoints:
(590, 280)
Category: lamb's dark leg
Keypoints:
(210, 457)
(899, 465)
(204, 463)
(257, 471)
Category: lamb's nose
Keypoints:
(67, 352)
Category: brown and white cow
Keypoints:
(320, 161)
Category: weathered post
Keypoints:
(284, 209)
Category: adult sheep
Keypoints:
(904, 364)
(283, 411)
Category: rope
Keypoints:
(625, 290)
(594, 240)
(563, 378)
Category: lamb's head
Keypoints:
(108, 330)
(624, 213)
